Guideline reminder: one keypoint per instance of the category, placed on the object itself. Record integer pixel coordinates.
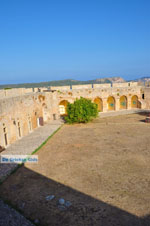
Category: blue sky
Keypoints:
(44, 40)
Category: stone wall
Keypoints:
(60, 87)
(125, 84)
(106, 85)
(4, 93)
(146, 96)
(104, 94)
(88, 86)
(91, 86)
(20, 115)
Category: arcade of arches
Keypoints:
(111, 104)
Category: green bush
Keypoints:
(81, 111)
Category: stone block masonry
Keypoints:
(23, 110)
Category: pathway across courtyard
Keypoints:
(27, 145)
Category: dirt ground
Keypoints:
(102, 168)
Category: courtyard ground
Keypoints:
(102, 168)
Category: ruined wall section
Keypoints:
(20, 115)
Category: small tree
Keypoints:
(81, 111)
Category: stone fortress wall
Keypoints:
(14, 92)
(93, 86)
(23, 110)
(22, 91)
(20, 115)
(108, 98)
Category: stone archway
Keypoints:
(63, 107)
(135, 103)
(111, 103)
(123, 102)
(99, 102)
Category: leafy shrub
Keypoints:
(81, 111)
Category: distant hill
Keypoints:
(143, 79)
(111, 80)
(65, 82)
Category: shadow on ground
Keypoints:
(27, 191)
(144, 113)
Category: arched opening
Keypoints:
(123, 102)
(63, 107)
(99, 102)
(111, 103)
(135, 103)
